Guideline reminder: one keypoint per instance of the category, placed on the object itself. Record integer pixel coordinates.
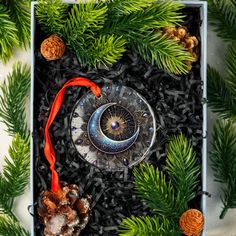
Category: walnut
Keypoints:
(66, 213)
(52, 48)
(191, 222)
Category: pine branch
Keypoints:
(15, 176)
(51, 15)
(20, 14)
(84, 18)
(148, 226)
(162, 14)
(183, 169)
(107, 49)
(11, 227)
(16, 170)
(165, 53)
(223, 161)
(15, 90)
(124, 7)
(231, 63)
(221, 98)
(222, 15)
(8, 35)
(157, 193)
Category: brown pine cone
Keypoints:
(52, 48)
(66, 213)
(191, 222)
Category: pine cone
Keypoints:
(52, 48)
(191, 222)
(65, 214)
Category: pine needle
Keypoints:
(106, 50)
(231, 64)
(11, 227)
(183, 169)
(12, 100)
(223, 162)
(222, 15)
(221, 98)
(19, 12)
(15, 175)
(51, 14)
(124, 7)
(148, 226)
(8, 35)
(165, 53)
(152, 187)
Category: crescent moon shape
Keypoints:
(100, 140)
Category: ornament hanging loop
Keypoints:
(48, 147)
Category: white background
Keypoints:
(214, 226)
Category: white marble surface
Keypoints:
(214, 226)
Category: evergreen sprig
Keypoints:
(15, 175)
(169, 55)
(51, 14)
(183, 169)
(222, 15)
(11, 227)
(152, 186)
(230, 59)
(14, 26)
(148, 226)
(20, 15)
(222, 90)
(167, 197)
(8, 35)
(124, 7)
(88, 25)
(12, 100)
(223, 162)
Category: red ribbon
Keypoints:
(48, 147)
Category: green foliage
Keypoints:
(51, 14)
(16, 170)
(11, 227)
(183, 169)
(8, 35)
(107, 49)
(222, 15)
(163, 14)
(124, 7)
(167, 197)
(14, 26)
(169, 55)
(152, 187)
(148, 226)
(223, 162)
(91, 25)
(222, 91)
(84, 19)
(79, 32)
(20, 15)
(15, 175)
(231, 64)
(12, 100)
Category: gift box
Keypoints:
(41, 98)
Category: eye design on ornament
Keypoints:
(112, 129)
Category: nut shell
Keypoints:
(191, 222)
(52, 48)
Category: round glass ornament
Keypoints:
(114, 131)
